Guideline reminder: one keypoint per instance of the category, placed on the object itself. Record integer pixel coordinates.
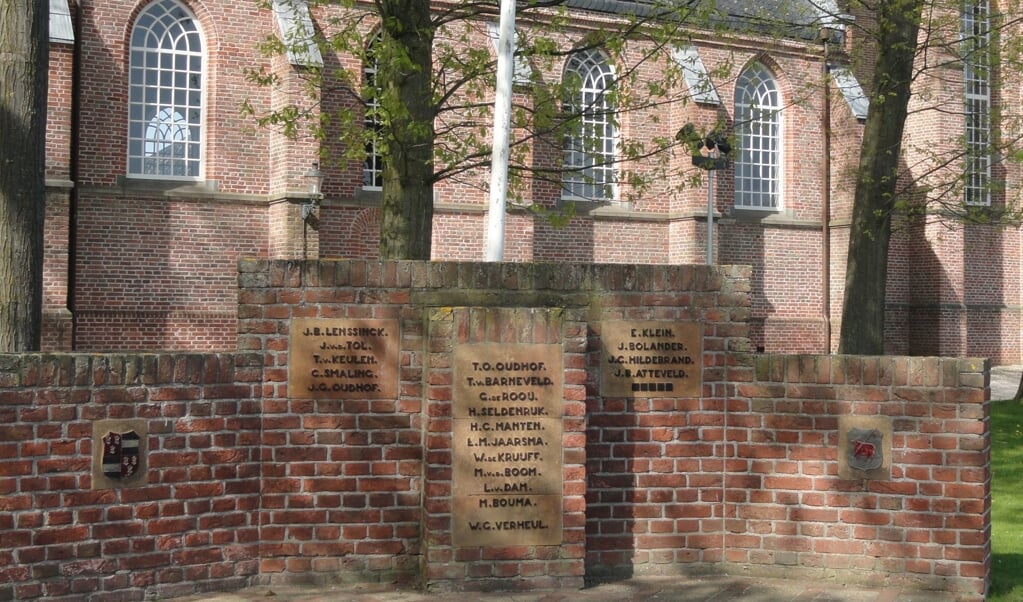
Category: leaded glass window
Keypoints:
(758, 126)
(591, 146)
(165, 95)
(977, 77)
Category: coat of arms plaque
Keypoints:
(121, 455)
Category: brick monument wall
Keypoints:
(787, 504)
(187, 521)
(488, 425)
(752, 477)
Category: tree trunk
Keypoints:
(406, 228)
(23, 79)
(877, 175)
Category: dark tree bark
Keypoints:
(406, 228)
(23, 80)
(877, 178)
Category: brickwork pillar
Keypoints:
(57, 318)
(505, 449)
(294, 229)
(293, 232)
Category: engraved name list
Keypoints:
(507, 445)
(651, 358)
(343, 358)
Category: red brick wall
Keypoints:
(59, 127)
(154, 267)
(747, 473)
(751, 478)
(156, 271)
(236, 155)
(194, 526)
(58, 112)
(57, 325)
(552, 565)
(245, 482)
(342, 481)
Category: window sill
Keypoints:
(769, 217)
(170, 187)
(369, 194)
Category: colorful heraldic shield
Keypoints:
(864, 450)
(121, 455)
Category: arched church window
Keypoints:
(758, 125)
(976, 48)
(165, 95)
(591, 145)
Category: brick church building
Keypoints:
(157, 183)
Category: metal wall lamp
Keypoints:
(314, 179)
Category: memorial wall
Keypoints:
(582, 421)
(480, 427)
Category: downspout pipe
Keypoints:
(825, 36)
(74, 168)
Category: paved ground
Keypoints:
(639, 589)
(1004, 381)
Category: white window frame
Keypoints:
(759, 128)
(590, 158)
(373, 164)
(976, 45)
(166, 94)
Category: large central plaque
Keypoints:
(507, 447)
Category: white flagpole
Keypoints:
(502, 132)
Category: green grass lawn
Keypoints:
(1007, 502)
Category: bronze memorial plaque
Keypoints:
(507, 450)
(651, 359)
(343, 358)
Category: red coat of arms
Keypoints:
(121, 455)
(864, 451)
